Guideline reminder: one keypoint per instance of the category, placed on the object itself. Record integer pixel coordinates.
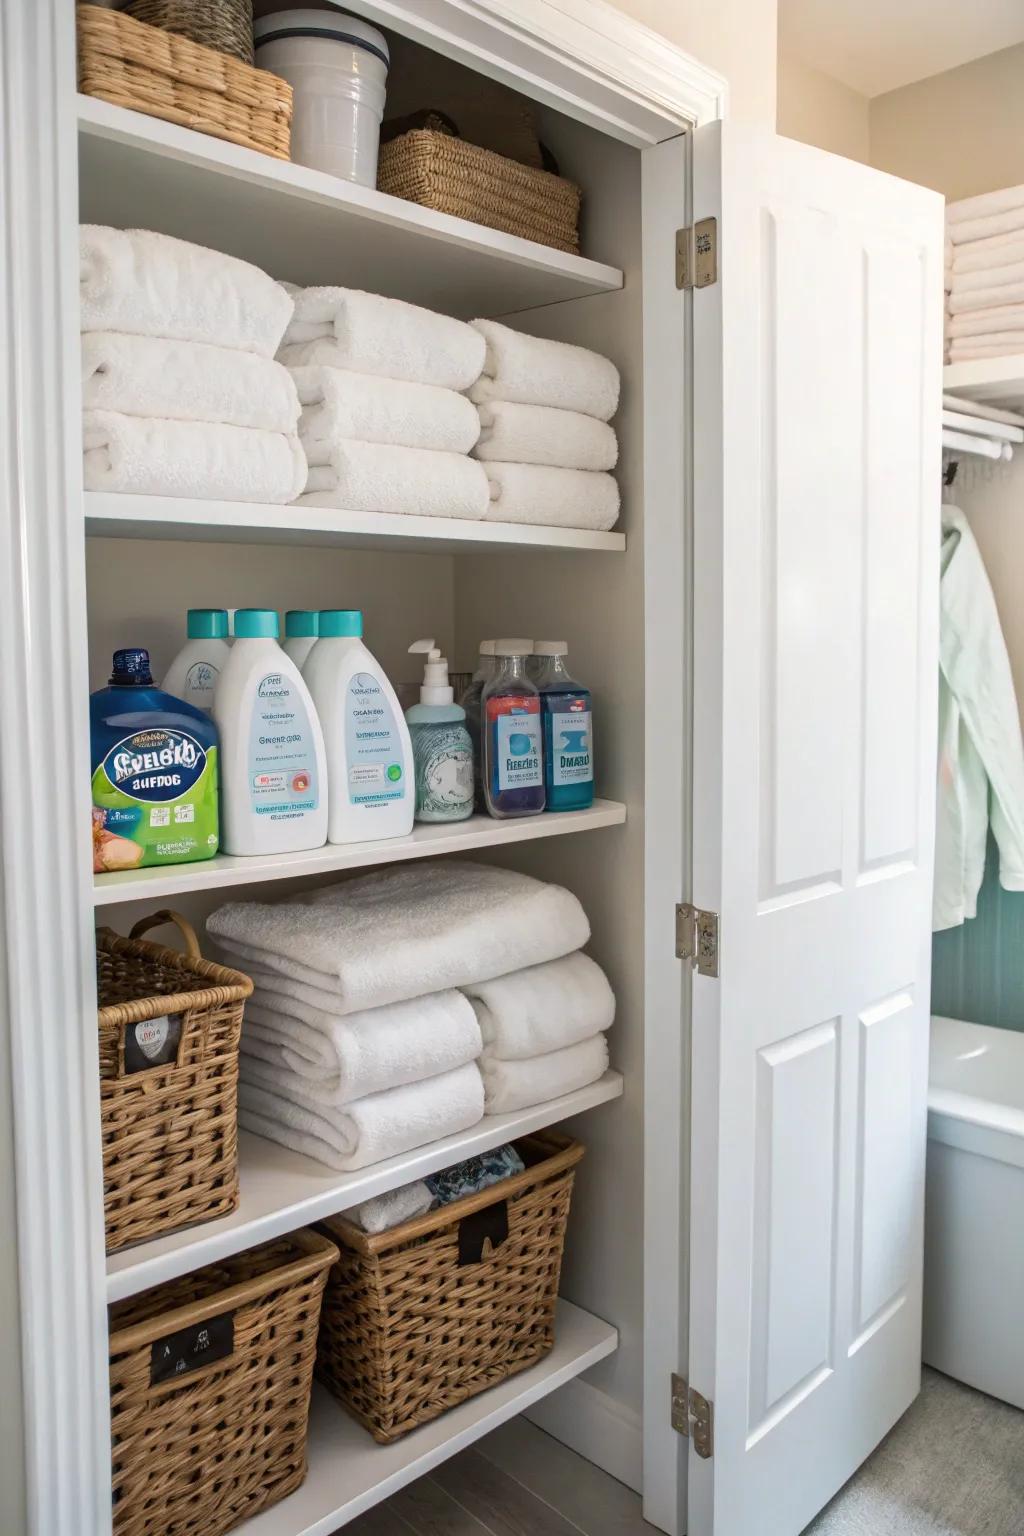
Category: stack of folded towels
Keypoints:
(384, 424)
(544, 438)
(181, 395)
(985, 276)
(397, 1008)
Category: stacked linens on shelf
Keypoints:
(985, 275)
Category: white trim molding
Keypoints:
(596, 1426)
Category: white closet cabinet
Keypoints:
(759, 635)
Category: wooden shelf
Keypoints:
(281, 1190)
(138, 172)
(226, 871)
(349, 1472)
(116, 516)
(995, 381)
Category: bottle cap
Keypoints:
(513, 647)
(436, 688)
(301, 623)
(341, 624)
(486, 648)
(131, 669)
(256, 624)
(550, 648)
(207, 624)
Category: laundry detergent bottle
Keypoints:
(194, 672)
(567, 721)
(273, 768)
(300, 634)
(513, 772)
(154, 773)
(441, 748)
(369, 750)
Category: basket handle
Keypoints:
(165, 915)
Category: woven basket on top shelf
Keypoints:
(420, 1318)
(225, 25)
(170, 1133)
(210, 1377)
(150, 70)
(445, 173)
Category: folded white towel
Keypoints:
(982, 206)
(339, 405)
(541, 434)
(148, 456)
(1007, 317)
(186, 381)
(341, 1058)
(511, 1085)
(378, 477)
(987, 228)
(541, 1009)
(989, 277)
(558, 498)
(532, 371)
(986, 298)
(991, 344)
(982, 255)
(381, 1125)
(401, 932)
(153, 285)
(347, 328)
(392, 1208)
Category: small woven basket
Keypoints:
(447, 174)
(420, 1318)
(170, 1134)
(210, 1377)
(150, 70)
(225, 25)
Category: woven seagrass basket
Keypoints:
(447, 174)
(210, 1377)
(168, 1092)
(150, 70)
(222, 24)
(420, 1318)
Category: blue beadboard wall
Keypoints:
(978, 968)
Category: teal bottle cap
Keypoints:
(256, 624)
(343, 623)
(207, 624)
(300, 623)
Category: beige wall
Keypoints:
(818, 109)
(735, 37)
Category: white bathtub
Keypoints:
(974, 1224)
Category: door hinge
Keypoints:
(693, 1416)
(697, 938)
(697, 254)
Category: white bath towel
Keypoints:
(401, 932)
(339, 405)
(510, 1085)
(541, 434)
(378, 477)
(989, 227)
(558, 498)
(381, 1125)
(993, 344)
(1007, 317)
(153, 285)
(541, 1009)
(392, 1208)
(983, 255)
(983, 205)
(984, 278)
(341, 1058)
(186, 381)
(148, 456)
(986, 298)
(347, 328)
(532, 371)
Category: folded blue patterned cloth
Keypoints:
(476, 1173)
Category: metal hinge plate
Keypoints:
(697, 254)
(693, 1416)
(697, 938)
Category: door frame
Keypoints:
(590, 61)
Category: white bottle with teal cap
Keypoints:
(369, 751)
(194, 672)
(441, 747)
(273, 769)
(300, 634)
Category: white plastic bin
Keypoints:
(337, 67)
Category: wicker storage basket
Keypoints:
(170, 1134)
(157, 72)
(210, 1377)
(451, 176)
(420, 1318)
(225, 25)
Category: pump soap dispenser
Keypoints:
(441, 747)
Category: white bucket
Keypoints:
(337, 67)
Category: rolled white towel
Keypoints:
(347, 328)
(378, 477)
(404, 931)
(541, 434)
(511, 1085)
(339, 405)
(393, 1207)
(186, 381)
(341, 1058)
(380, 1126)
(541, 1009)
(558, 498)
(532, 371)
(1006, 317)
(149, 284)
(147, 456)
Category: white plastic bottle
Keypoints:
(194, 672)
(300, 632)
(369, 752)
(273, 770)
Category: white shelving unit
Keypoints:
(997, 381)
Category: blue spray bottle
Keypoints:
(568, 729)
